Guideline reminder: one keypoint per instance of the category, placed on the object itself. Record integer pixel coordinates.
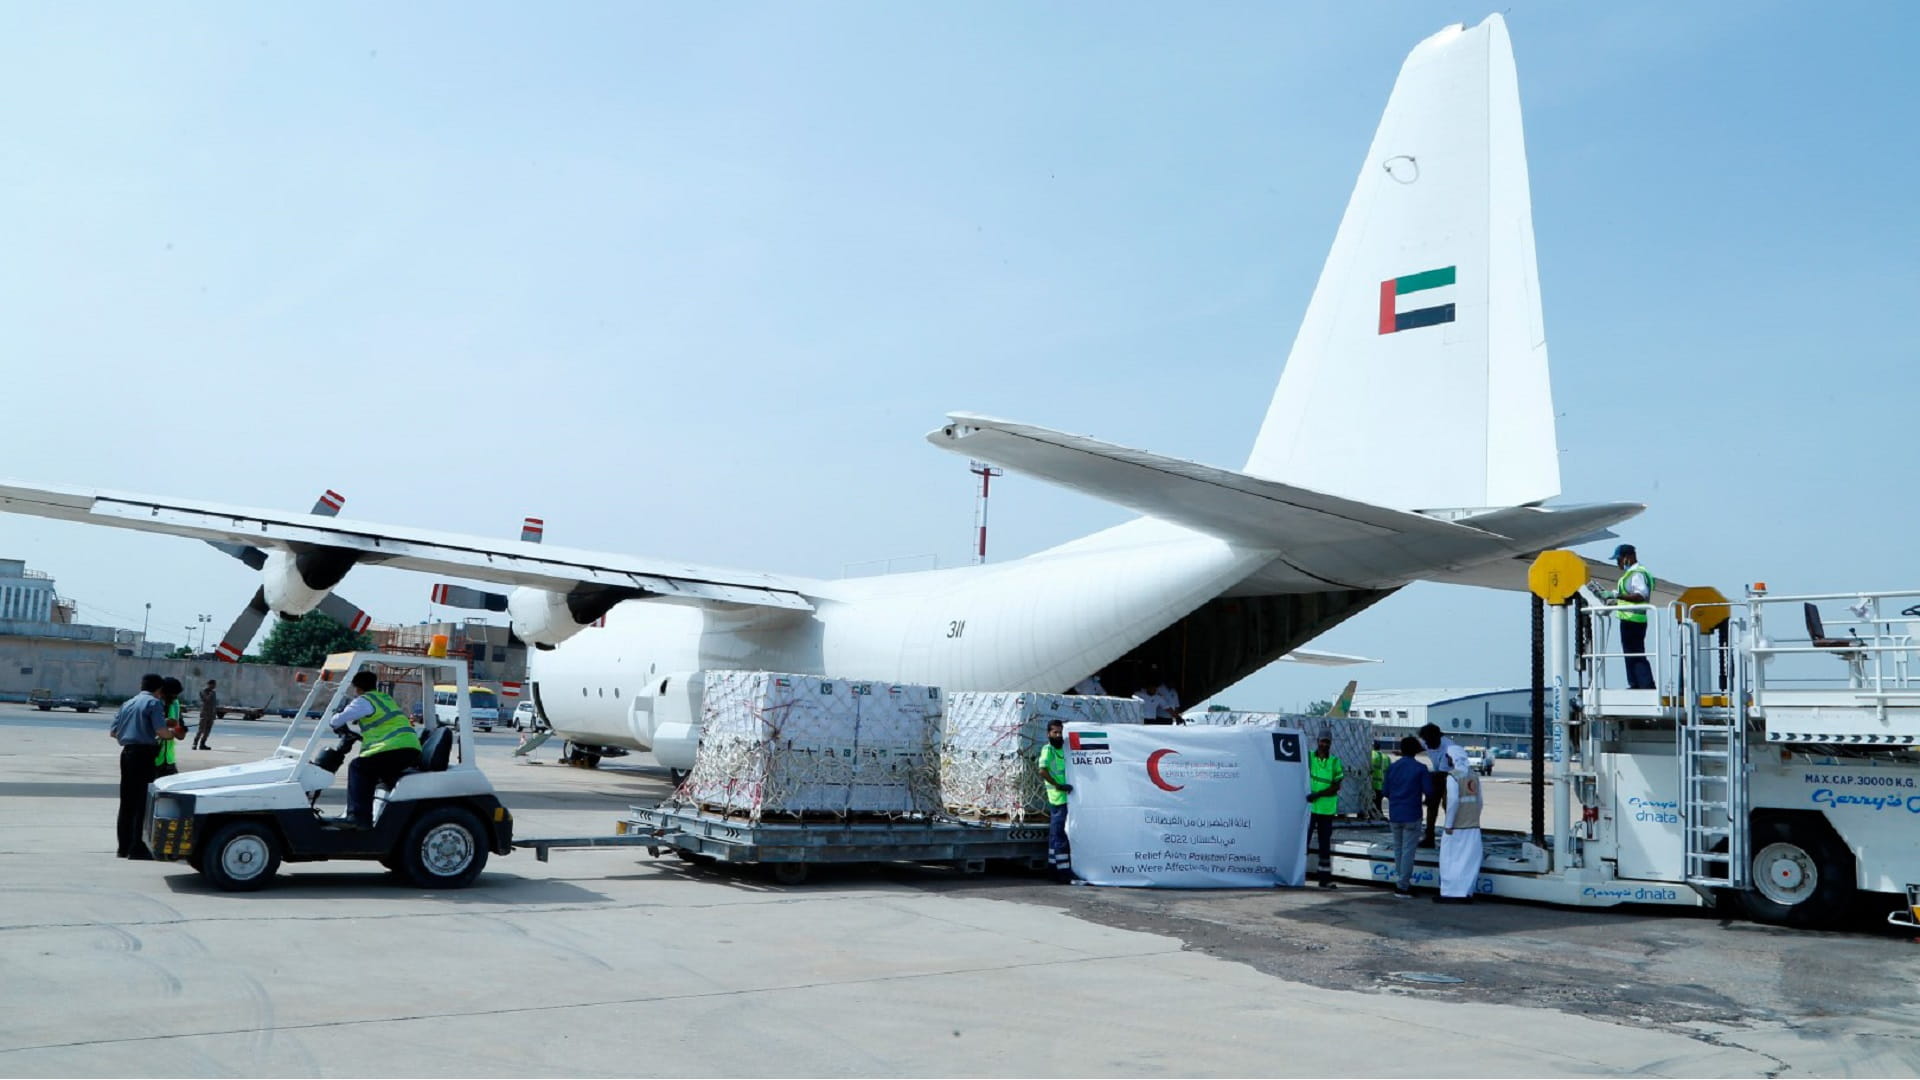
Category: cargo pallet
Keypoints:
(788, 849)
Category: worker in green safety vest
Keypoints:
(1635, 587)
(388, 747)
(1053, 776)
(167, 761)
(1378, 766)
(1324, 775)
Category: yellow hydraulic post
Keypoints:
(1555, 577)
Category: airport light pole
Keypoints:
(145, 621)
(986, 473)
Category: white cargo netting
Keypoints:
(774, 743)
(1352, 744)
(988, 767)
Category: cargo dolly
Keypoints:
(789, 849)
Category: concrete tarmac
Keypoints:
(615, 963)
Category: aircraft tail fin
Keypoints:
(1418, 379)
(1343, 705)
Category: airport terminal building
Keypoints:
(1497, 718)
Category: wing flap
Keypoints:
(505, 562)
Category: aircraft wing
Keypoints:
(1219, 502)
(1327, 659)
(506, 562)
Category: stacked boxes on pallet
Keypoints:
(780, 744)
(987, 767)
(1352, 744)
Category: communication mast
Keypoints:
(986, 473)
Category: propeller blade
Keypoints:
(241, 633)
(461, 596)
(345, 612)
(252, 556)
(329, 503)
(532, 529)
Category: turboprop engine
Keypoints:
(295, 584)
(292, 583)
(546, 618)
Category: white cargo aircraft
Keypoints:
(1411, 438)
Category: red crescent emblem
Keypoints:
(1153, 770)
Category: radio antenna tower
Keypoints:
(986, 473)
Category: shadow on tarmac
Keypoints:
(58, 789)
(490, 890)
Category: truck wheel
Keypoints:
(1800, 876)
(241, 857)
(44, 708)
(789, 873)
(444, 849)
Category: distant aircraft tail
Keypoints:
(1344, 703)
(1418, 380)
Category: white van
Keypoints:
(482, 704)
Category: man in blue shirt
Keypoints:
(1407, 788)
(140, 727)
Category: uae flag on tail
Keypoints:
(1409, 302)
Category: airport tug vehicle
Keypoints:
(435, 826)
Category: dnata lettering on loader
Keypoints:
(1664, 811)
(1449, 481)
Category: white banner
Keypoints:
(1187, 807)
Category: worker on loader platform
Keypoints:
(1377, 763)
(388, 747)
(1634, 587)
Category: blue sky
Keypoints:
(694, 280)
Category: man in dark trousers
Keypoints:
(1053, 777)
(140, 727)
(209, 710)
(1443, 755)
(1324, 776)
(388, 746)
(1634, 587)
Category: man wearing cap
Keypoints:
(1634, 587)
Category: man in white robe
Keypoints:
(1460, 848)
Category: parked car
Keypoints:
(1480, 760)
(524, 718)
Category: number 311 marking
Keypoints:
(956, 628)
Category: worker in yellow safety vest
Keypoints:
(1053, 776)
(388, 747)
(1324, 775)
(1378, 766)
(1634, 587)
(167, 761)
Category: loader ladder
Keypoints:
(1713, 764)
